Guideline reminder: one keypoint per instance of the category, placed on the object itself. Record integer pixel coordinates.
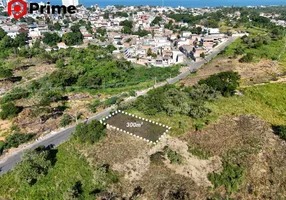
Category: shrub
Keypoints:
(202, 93)
(200, 153)
(173, 156)
(231, 177)
(16, 139)
(199, 111)
(89, 133)
(16, 93)
(2, 145)
(132, 93)
(109, 102)
(74, 192)
(247, 58)
(34, 164)
(9, 110)
(49, 97)
(224, 82)
(66, 120)
(125, 105)
(92, 107)
(281, 131)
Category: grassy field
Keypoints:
(270, 51)
(69, 168)
(267, 102)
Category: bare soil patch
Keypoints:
(250, 142)
(251, 73)
(131, 158)
(139, 127)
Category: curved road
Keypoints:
(56, 139)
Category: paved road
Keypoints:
(52, 138)
(62, 136)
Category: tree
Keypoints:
(101, 31)
(149, 52)
(73, 38)
(66, 120)
(16, 139)
(5, 73)
(57, 26)
(2, 33)
(21, 39)
(49, 97)
(281, 131)
(156, 21)
(89, 133)
(224, 82)
(51, 39)
(9, 110)
(6, 42)
(110, 48)
(60, 63)
(34, 165)
(2, 146)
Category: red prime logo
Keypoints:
(17, 8)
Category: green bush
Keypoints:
(111, 101)
(93, 106)
(200, 153)
(231, 177)
(125, 105)
(89, 133)
(2, 146)
(16, 93)
(66, 120)
(34, 165)
(9, 110)
(198, 111)
(173, 156)
(247, 58)
(16, 139)
(132, 93)
(282, 132)
(224, 82)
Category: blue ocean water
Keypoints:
(176, 3)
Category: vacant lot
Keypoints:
(251, 73)
(265, 101)
(136, 126)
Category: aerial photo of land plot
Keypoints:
(143, 128)
(143, 100)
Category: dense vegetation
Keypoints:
(34, 165)
(39, 174)
(187, 101)
(231, 177)
(89, 133)
(77, 70)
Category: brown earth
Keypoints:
(244, 140)
(250, 142)
(251, 73)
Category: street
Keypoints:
(56, 139)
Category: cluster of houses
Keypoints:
(162, 47)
